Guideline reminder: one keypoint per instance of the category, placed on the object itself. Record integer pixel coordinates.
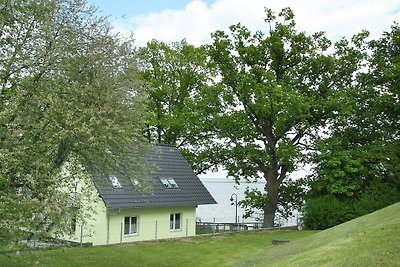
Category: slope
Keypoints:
(371, 240)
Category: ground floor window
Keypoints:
(175, 221)
(130, 225)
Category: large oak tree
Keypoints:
(275, 92)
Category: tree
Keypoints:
(174, 74)
(384, 77)
(358, 163)
(69, 102)
(275, 93)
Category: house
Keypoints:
(168, 210)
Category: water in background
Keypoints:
(221, 190)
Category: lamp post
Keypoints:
(236, 204)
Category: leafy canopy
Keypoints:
(68, 94)
(276, 91)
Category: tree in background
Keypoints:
(175, 73)
(357, 165)
(275, 93)
(67, 94)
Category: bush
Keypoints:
(327, 211)
(377, 196)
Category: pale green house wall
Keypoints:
(106, 226)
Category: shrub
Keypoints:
(323, 212)
(326, 211)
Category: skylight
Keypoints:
(75, 183)
(168, 182)
(135, 182)
(115, 182)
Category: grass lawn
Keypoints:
(371, 240)
(226, 249)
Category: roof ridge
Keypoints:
(166, 145)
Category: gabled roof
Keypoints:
(165, 162)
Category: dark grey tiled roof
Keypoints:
(165, 161)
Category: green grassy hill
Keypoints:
(218, 250)
(371, 240)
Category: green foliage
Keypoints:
(378, 195)
(274, 92)
(290, 198)
(174, 74)
(328, 210)
(351, 182)
(357, 164)
(67, 94)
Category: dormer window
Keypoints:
(168, 182)
(115, 182)
(75, 184)
(135, 182)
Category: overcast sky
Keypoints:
(173, 20)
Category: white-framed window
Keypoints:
(175, 221)
(131, 225)
(168, 182)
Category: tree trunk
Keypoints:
(269, 214)
(272, 202)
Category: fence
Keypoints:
(116, 231)
(147, 229)
(243, 225)
(214, 227)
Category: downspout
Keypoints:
(108, 228)
(109, 213)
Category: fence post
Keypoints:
(120, 236)
(187, 222)
(34, 240)
(214, 226)
(156, 230)
(108, 228)
(81, 239)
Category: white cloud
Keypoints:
(192, 23)
(198, 20)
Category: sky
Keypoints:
(195, 20)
